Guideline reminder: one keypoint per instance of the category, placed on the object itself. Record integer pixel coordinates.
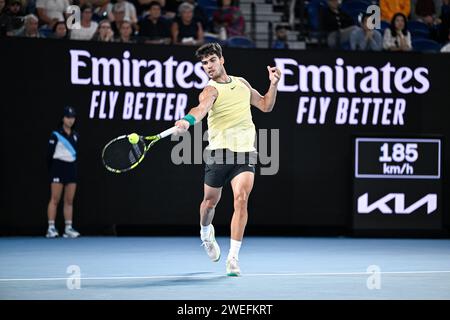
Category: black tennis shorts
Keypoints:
(222, 165)
(63, 172)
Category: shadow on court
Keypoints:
(185, 279)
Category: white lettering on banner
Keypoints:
(127, 72)
(344, 78)
(419, 74)
(352, 111)
(324, 103)
(399, 204)
(347, 81)
(281, 64)
(76, 64)
(103, 71)
(138, 105)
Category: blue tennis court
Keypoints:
(178, 268)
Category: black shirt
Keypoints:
(154, 31)
(187, 31)
(332, 21)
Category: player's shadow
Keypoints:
(186, 279)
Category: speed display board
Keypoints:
(397, 184)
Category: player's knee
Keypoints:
(241, 196)
(240, 201)
(209, 204)
(68, 202)
(54, 201)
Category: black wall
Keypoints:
(312, 188)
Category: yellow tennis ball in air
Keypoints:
(133, 138)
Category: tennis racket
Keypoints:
(125, 152)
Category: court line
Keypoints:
(304, 274)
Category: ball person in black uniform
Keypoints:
(62, 164)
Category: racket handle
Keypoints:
(168, 132)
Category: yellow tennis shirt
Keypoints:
(230, 124)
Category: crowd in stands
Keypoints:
(405, 24)
(148, 21)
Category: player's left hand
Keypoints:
(274, 75)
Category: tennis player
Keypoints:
(62, 164)
(231, 149)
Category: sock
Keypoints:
(235, 246)
(51, 224)
(68, 224)
(204, 231)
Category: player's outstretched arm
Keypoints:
(206, 101)
(265, 103)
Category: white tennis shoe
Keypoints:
(211, 246)
(71, 233)
(52, 233)
(233, 269)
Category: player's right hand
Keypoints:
(182, 126)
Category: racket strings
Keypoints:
(121, 154)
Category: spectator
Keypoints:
(168, 12)
(185, 30)
(2, 5)
(170, 8)
(104, 32)
(119, 16)
(154, 28)
(281, 38)
(397, 37)
(337, 23)
(364, 38)
(62, 165)
(30, 27)
(60, 31)
(102, 10)
(50, 12)
(199, 14)
(130, 11)
(426, 11)
(87, 28)
(11, 18)
(126, 32)
(446, 48)
(230, 17)
(390, 7)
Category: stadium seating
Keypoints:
(417, 25)
(240, 42)
(426, 45)
(419, 34)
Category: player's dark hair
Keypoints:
(209, 49)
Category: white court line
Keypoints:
(305, 274)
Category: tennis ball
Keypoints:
(133, 138)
